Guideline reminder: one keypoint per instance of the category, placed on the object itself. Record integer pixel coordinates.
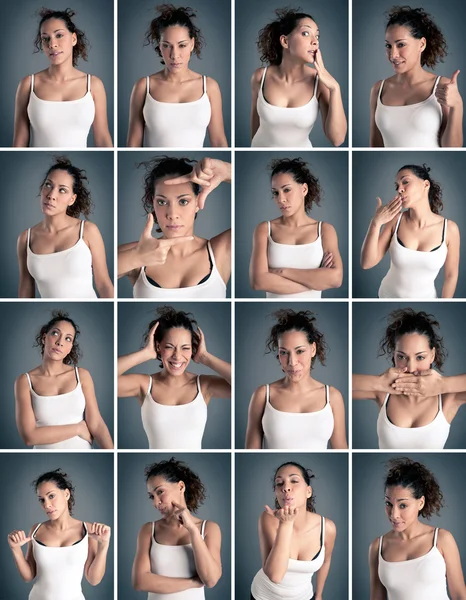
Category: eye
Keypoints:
(400, 357)
(63, 190)
(274, 193)
(387, 503)
(278, 483)
(305, 33)
(161, 202)
(151, 496)
(68, 339)
(47, 184)
(59, 35)
(300, 351)
(402, 505)
(183, 202)
(421, 357)
(282, 352)
(286, 190)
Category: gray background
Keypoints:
(22, 172)
(369, 325)
(331, 17)
(92, 476)
(19, 324)
(370, 63)
(254, 203)
(94, 18)
(215, 321)
(446, 170)
(255, 368)
(136, 60)
(135, 509)
(254, 474)
(212, 220)
(370, 520)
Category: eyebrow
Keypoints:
(292, 475)
(47, 493)
(156, 487)
(55, 31)
(165, 197)
(399, 499)
(282, 186)
(309, 27)
(59, 185)
(396, 41)
(422, 352)
(180, 42)
(296, 347)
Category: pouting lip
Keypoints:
(57, 350)
(48, 205)
(294, 371)
(55, 53)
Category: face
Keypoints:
(53, 500)
(57, 41)
(401, 507)
(176, 46)
(175, 208)
(175, 350)
(411, 188)
(162, 493)
(58, 341)
(295, 354)
(303, 41)
(403, 50)
(57, 193)
(288, 194)
(412, 351)
(290, 487)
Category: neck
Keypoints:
(50, 368)
(178, 77)
(56, 222)
(299, 219)
(62, 522)
(411, 77)
(290, 68)
(300, 385)
(173, 380)
(61, 72)
(301, 518)
(411, 531)
(420, 214)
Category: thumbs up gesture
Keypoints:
(447, 93)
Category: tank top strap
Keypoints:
(440, 404)
(29, 380)
(81, 230)
(435, 537)
(152, 537)
(444, 235)
(316, 84)
(204, 84)
(85, 527)
(380, 89)
(380, 545)
(398, 224)
(269, 229)
(150, 386)
(267, 393)
(88, 82)
(77, 374)
(322, 532)
(32, 84)
(147, 85)
(198, 384)
(436, 84)
(203, 529)
(211, 254)
(319, 228)
(386, 400)
(263, 79)
(327, 395)
(35, 530)
(28, 239)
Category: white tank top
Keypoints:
(412, 126)
(412, 273)
(428, 437)
(297, 582)
(297, 431)
(213, 287)
(295, 256)
(284, 127)
(176, 124)
(174, 427)
(174, 561)
(64, 274)
(62, 409)
(59, 569)
(424, 577)
(60, 124)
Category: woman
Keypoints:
(175, 106)
(295, 256)
(63, 253)
(178, 264)
(57, 106)
(179, 554)
(286, 95)
(413, 107)
(296, 411)
(417, 404)
(414, 560)
(62, 549)
(419, 240)
(295, 542)
(174, 402)
(56, 405)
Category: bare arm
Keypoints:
(322, 573)
(99, 541)
(378, 591)
(330, 104)
(136, 119)
(275, 543)
(374, 387)
(254, 431)
(448, 96)
(102, 137)
(455, 578)
(94, 420)
(376, 139)
(26, 565)
(255, 86)
(207, 553)
(216, 128)
(27, 287)
(377, 240)
(103, 283)
(338, 439)
(452, 262)
(22, 126)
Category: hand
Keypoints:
(385, 213)
(184, 516)
(196, 582)
(208, 173)
(154, 251)
(202, 349)
(17, 538)
(447, 94)
(287, 514)
(99, 532)
(419, 383)
(327, 261)
(83, 432)
(149, 348)
(324, 75)
(388, 378)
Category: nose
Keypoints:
(172, 213)
(292, 360)
(59, 341)
(394, 53)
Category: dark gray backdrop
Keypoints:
(254, 204)
(212, 220)
(255, 368)
(136, 60)
(94, 18)
(22, 173)
(135, 509)
(370, 63)
(92, 476)
(250, 17)
(19, 324)
(215, 321)
(369, 325)
(253, 489)
(370, 520)
(446, 169)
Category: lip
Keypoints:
(285, 208)
(56, 53)
(397, 64)
(50, 513)
(57, 350)
(177, 366)
(174, 227)
(48, 205)
(175, 65)
(294, 371)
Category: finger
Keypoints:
(379, 203)
(182, 179)
(147, 231)
(153, 329)
(269, 511)
(203, 197)
(177, 505)
(169, 242)
(454, 77)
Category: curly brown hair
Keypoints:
(61, 480)
(403, 321)
(83, 204)
(268, 43)
(299, 169)
(82, 43)
(410, 474)
(307, 474)
(435, 191)
(174, 471)
(172, 15)
(290, 320)
(420, 25)
(58, 315)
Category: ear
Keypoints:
(433, 357)
(74, 39)
(67, 494)
(313, 349)
(423, 44)
(305, 189)
(73, 199)
(284, 41)
(193, 42)
(422, 502)
(309, 492)
(182, 486)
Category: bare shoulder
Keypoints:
(262, 229)
(374, 548)
(212, 85)
(97, 84)
(257, 76)
(212, 528)
(24, 85)
(31, 531)
(335, 395)
(146, 530)
(258, 397)
(328, 229)
(91, 229)
(140, 86)
(330, 529)
(221, 241)
(452, 228)
(376, 87)
(84, 375)
(22, 238)
(445, 538)
(21, 382)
